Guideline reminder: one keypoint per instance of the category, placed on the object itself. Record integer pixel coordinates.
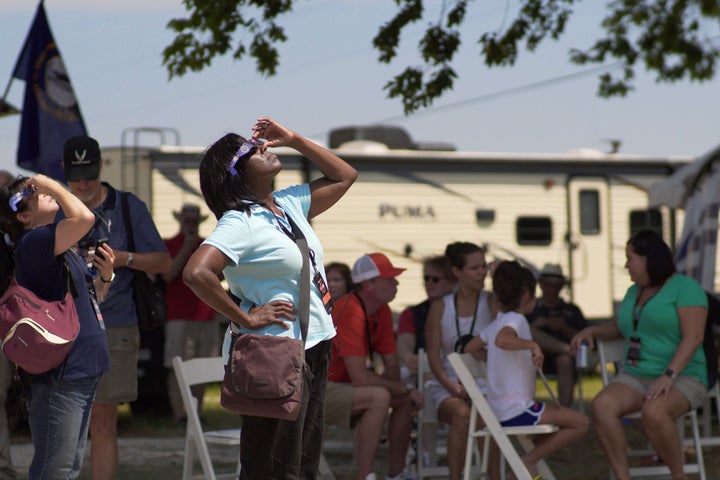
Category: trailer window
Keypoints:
(533, 231)
(589, 212)
(650, 219)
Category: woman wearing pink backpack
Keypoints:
(60, 400)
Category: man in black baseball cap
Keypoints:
(81, 159)
(82, 164)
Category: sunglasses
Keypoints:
(432, 278)
(18, 197)
(246, 148)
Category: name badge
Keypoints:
(633, 354)
(324, 292)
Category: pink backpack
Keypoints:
(37, 334)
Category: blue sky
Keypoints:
(329, 77)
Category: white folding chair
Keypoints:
(210, 370)
(199, 371)
(614, 351)
(493, 429)
(713, 395)
(427, 427)
(429, 445)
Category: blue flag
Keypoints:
(51, 114)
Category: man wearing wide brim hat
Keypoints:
(191, 329)
(553, 324)
(189, 211)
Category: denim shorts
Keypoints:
(59, 415)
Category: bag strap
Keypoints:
(126, 220)
(69, 284)
(304, 310)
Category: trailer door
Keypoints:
(589, 246)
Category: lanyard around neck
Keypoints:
(457, 316)
(637, 311)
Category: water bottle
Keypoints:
(581, 357)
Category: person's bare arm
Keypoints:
(202, 275)
(78, 218)
(507, 339)
(150, 262)
(406, 351)
(337, 177)
(360, 376)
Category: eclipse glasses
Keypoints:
(18, 197)
(247, 147)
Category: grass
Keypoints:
(213, 415)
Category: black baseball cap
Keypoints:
(81, 159)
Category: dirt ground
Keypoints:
(160, 458)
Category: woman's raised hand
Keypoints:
(275, 134)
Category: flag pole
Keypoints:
(6, 108)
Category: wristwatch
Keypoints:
(112, 277)
(670, 374)
(130, 260)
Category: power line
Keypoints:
(491, 96)
(503, 93)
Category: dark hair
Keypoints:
(659, 258)
(510, 281)
(9, 222)
(221, 190)
(441, 262)
(458, 252)
(528, 281)
(344, 272)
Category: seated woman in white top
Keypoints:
(452, 321)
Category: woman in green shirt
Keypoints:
(663, 318)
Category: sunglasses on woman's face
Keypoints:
(18, 197)
(246, 148)
(432, 278)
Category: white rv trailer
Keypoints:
(577, 209)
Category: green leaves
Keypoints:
(666, 37)
(208, 33)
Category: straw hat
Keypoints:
(189, 208)
(552, 270)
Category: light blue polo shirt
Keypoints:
(265, 263)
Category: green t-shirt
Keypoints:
(659, 327)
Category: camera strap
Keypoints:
(457, 317)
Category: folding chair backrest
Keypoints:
(197, 371)
(610, 351)
(465, 376)
(192, 372)
(427, 425)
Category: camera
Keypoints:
(462, 341)
(102, 241)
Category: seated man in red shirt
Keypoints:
(358, 397)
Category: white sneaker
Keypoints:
(371, 476)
